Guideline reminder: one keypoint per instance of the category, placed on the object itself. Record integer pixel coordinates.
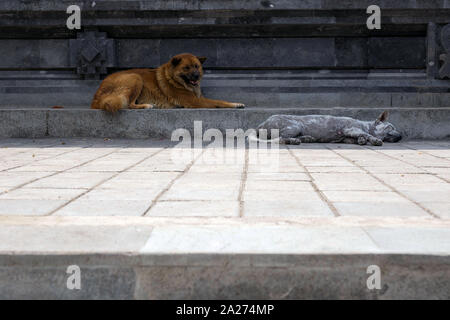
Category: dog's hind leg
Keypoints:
(134, 91)
(307, 139)
(119, 93)
(349, 141)
(293, 141)
(298, 140)
(288, 132)
(140, 106)
(290, 135)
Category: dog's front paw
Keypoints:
(376, 142)
(148, 106)
(239, 105)
(362, 141)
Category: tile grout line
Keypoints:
(387, 185)
(57, 172)
(25, 151)
(430, 154)
(103, 181)
(363, 228)
(321, 195)
(35, 161)
(411, 164)
(171, 183)
(437, 144)
(243, 183)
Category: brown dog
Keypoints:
(174, 84)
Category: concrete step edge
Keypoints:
(414, 123)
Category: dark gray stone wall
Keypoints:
(320, 37)
(326, 52)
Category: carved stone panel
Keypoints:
(92, 53)
(444, 71)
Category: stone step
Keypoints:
(273, 89)
(413, 123)
(254, 98)
(190, 258)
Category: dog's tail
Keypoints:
(254, 137)
(111, 103)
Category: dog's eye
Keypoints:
(186, 68)
(196, 66)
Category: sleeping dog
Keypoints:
(318, 128)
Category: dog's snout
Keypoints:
(397, 138)
(195, 75)
(393, 137)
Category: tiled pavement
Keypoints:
(54, 177)
(144, 220)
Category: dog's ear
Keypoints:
(201, 59)
(175, 61)
(383, 117)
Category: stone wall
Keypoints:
(308, 38)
